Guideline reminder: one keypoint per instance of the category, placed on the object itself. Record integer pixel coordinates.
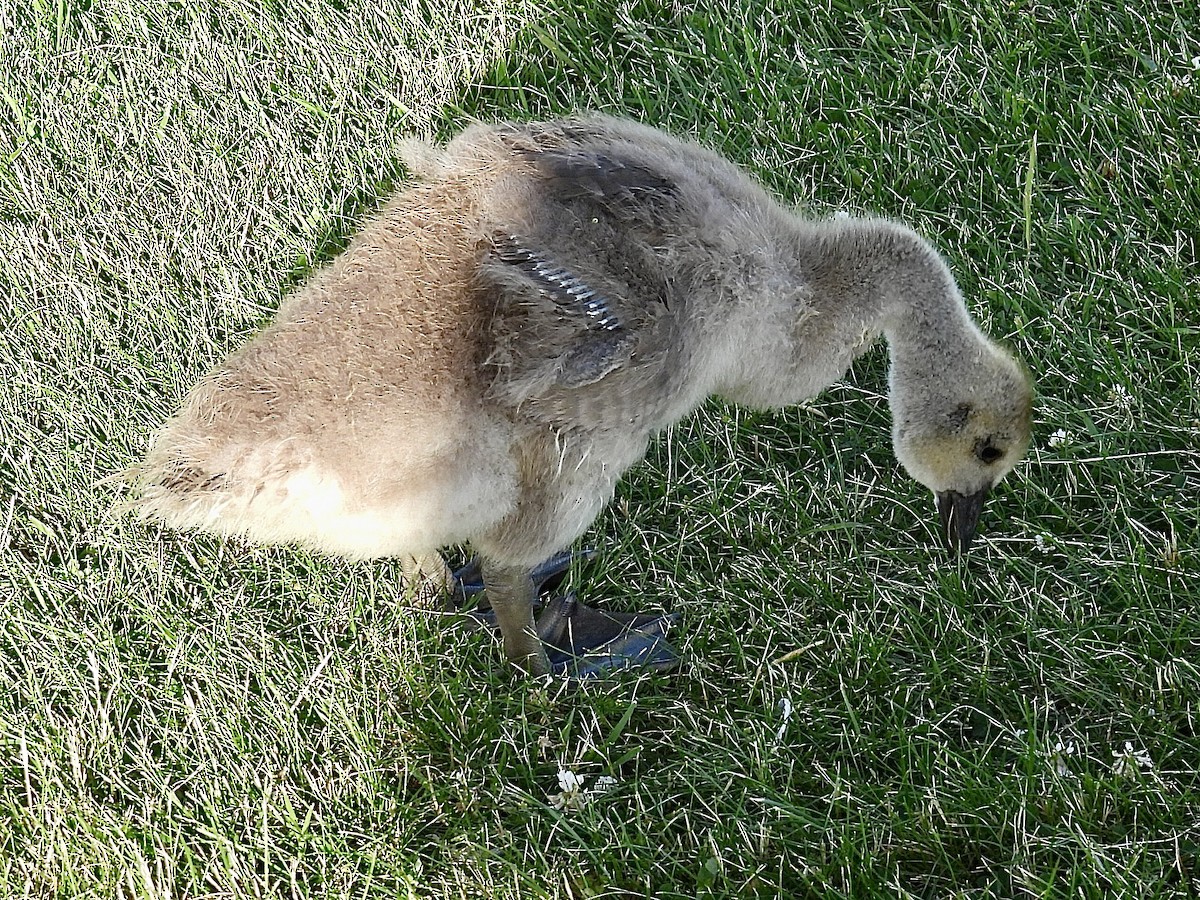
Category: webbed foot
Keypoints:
(586, 643)
(580, 641)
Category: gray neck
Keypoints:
(918, 307)
(852, 281)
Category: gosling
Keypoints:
(497, 346)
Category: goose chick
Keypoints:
(499, 344)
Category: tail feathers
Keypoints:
(181, 495)
(303, 506)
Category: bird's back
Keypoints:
(549, 290)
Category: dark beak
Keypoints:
(960, 516)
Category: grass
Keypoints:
(859, 717)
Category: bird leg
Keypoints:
(426, 576)
(511, 593)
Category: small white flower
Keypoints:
(1059, 757)
(841, 214)
(785, 711)
(1043, 542)
(1196, 62)
(1120, 397)
(572, 796)
(571, 791)
(1059, 438)
(1128, 761)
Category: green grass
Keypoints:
(184, 717)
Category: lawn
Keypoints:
(859, 716)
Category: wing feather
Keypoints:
(582, 328)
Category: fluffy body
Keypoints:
(500, 343)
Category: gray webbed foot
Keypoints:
(580, 641)
(587, 643)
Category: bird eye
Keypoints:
(987, 452)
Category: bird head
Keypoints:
(961, 429)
